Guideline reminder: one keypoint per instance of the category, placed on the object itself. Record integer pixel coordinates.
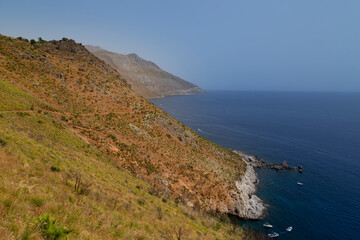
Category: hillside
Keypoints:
(145, 77)
(64, 109)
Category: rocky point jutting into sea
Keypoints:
(257, 162)
(245, 203)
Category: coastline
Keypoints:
(246, 204)
(184, 93)
(257, 163)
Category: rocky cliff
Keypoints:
(145, 77)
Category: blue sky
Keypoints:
(297, 45)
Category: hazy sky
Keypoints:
(243, 44)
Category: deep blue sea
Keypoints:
(320, 131)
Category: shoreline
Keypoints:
(176, 94)
(247, 205)
(258, 163)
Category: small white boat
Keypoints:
(300, 183)
(289, 229)
(273, 235)
(267, 225)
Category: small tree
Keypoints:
(40, 40)
(81, 187)
(32, 41)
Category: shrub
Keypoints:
(54, 169)
(2, 143)
(50, 229)
(153, 190)
(22, 39)
(1, 116)
(22, 114)
(141, 202)
(81, 187)
(40, 40)
(112, 137)
(32, 41)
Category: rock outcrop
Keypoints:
(247, 205)
(256, 162)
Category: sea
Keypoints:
(319, 131)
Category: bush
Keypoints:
(112, 137)
(40, 40)
(54, 169)
(50, 229)
(22, 39)
(81, 186)
(32, 41)
(141, 202)
(2, 143)
(22, 114)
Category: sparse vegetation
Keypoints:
(122, 203)
(22, 114)
(37, 201)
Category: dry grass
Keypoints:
(109, 135)
(117, 204)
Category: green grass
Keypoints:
(12, 98)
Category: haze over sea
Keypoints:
(320, 131)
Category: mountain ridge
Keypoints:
(145, 77)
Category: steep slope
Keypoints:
(145, 77)
(93, 100)
(39, 160)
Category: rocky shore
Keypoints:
(256, 162)
(245, 203)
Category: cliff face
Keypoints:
(145, 77)
(94, 101)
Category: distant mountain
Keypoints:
(145, 77)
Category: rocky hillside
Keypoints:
(64, 109)
(145, 77)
